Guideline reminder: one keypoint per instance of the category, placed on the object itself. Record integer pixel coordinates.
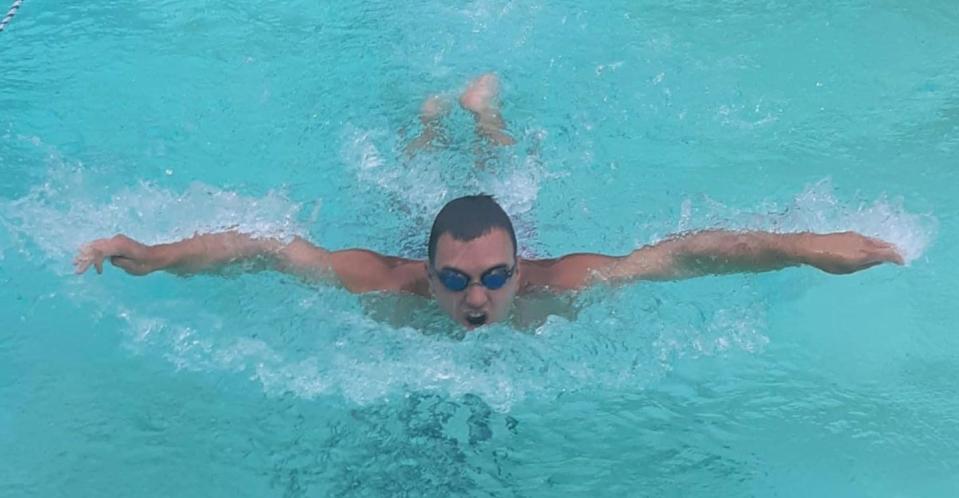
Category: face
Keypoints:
(476, 305)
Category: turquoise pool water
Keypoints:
(635, 120)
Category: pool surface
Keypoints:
(634, 120)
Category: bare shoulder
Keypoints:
(570, 272)
(359, 270)
(535, 273)
(408, 275)
(362, 270)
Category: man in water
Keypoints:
(473, 268)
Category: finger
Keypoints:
(84, 259)
(886, 251)
(885, 256)
(98, 264)
(80, 265)
(895, 256)
(882, 245)
(892, 255)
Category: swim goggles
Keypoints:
(492, 279)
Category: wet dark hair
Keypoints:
(467, 218)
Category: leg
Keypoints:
(431, 112)
(481, 98)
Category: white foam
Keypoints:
(818, 209)
(621, 339)
(417, 185)
(426, 182)
(517, 189)
(64, 212)
(364, 362)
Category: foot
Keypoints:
(433, 108)
(481, 97)
(431, 112)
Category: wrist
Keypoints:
(155, 258)
(802, 248)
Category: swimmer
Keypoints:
(473, 269)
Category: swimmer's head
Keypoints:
(472, 265)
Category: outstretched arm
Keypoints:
(718, 252)
(356, 269)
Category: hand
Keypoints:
(124, 252)
(847, 252)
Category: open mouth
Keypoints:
(476, 318)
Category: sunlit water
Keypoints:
(635, 120)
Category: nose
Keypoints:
(476, 295)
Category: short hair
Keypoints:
(467, 218)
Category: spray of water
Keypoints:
(817, 209)
(321, 342)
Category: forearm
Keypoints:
(358, 270)
(211, 252)
(715, 252)
(721, 252)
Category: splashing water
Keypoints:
(817, 209)
(620, 338)
(64, 212)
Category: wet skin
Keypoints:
(690, 255)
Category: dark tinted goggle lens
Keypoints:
(495, 278)
(453, 280)
(456, 281)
